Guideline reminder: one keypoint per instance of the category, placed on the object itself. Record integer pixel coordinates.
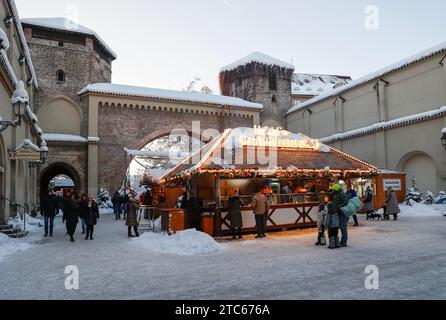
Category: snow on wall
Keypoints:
(57, 137)
(64, 24)
(132, 91)
(418, 117)
(4, 39)
(374, 76)
(316, 84)
(259, 58)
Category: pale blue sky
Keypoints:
(164, 44)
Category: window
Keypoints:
(272, 81)
(60, 76)
(274, 99)
(60, 44)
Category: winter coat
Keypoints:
(259, 204)
(132, 215)
(70, 212)
(392, 203)
(332, 216)
(148, 199)
(368, 202)
(117, 199)
(340, 199)
(351, 194)
(83, 209)
(194, 210)
(235, 212)
(49, 205)
(92, 215)
(322, 218)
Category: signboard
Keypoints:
(395, 184)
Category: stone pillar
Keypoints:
(307, 123)
(382, 101)
(339, 115)
(93, 155)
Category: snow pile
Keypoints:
(259, 58)
(32, 224)
(10, 246)
(188, 242)
(422, 210)
(316, 84)
(168, 95)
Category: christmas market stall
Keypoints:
(293, 171)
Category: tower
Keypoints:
(262, 79)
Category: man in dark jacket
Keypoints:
(340, 199)
(48, 211)
(71, 216)
(148, 201)
(117, 205)
(194, 212)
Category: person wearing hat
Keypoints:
(48, 211)
(340, 199)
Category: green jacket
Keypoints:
(340, 199)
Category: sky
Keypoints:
(166, 44)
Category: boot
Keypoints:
(71, 238)
(337, 245)
(323, 241)
(395, 217)
(331, 243)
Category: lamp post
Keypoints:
(43, 157)
(19, 101)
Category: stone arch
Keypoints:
(60, 114)
(423, 167)
(56, 169)
(154, 135)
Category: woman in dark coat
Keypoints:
(91, 217)
(392, 205)
(368, 202)
(132, 220)
(70, 216)
(235, 214)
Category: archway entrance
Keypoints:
(61, 172)
(421, 167)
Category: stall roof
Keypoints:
(239, 153)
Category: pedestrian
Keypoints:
(91, 217)
(333, 226)
(368, 202)
(351, 193)
(194, 213)
(340, 200)
(261, 208)
(321, 225)
(66, 205)
(392, 205)
(235, 214)
(70, 216)
(117, 205)
(132, 221)
(48, 211)
(147, 200)
(83, 210)
(125, 205)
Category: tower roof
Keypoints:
(66, 25)
(259, 58)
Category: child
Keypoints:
(321, 223)
(333, 226)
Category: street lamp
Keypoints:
(43, 156)
(443, 138)
(19, 101)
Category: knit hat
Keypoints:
(336, 187)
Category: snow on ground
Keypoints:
(422, 210)
(410, 254)
(188, 242)
(10, 246)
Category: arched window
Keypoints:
(60, 76)
(274, 99)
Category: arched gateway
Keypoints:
(117, 117)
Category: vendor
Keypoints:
(288, 190)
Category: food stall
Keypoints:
(266, 159)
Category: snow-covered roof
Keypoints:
(64, 24)
(57, 137)
(161, 94)
(414, 118)
(22, 39)
(259, 58)
(440, 48)
(316, 84)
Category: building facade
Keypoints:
(392, 118)
(18, 176)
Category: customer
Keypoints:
(91, 217)
(194, 213)
(117, 205)
(340, 200)
(48, 211)
(351, 193)
(392, 205)
(261, 208)
(65, 205)
(368, 202)
(83, 211)
(235, 214)
(147, 200)
(132, 214)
